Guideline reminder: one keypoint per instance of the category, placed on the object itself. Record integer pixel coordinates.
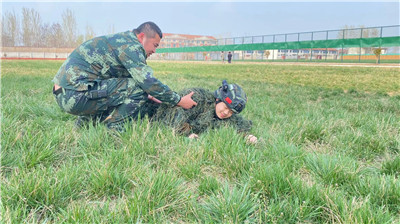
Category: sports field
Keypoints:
(328, 152)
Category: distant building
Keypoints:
(171, 40)
(315, 53)
(364, 50)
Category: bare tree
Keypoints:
(111, 29)
(10, 29)
(349, 32)
(80, 39)
(26, 27)
(36, 27)
(31, 27)
(45, 35)
(370, 33)
(90, 34)
(56, 38)
(69, 26)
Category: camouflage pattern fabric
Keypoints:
(200, 118)
(108, 77)
(111, 102)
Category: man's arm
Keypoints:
(186, 102)
(133, 59)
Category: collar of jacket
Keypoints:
(133, 35)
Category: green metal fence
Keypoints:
(346, 45)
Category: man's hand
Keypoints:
(193, 136)
(152, 98)
(251, 139)
(187, 102)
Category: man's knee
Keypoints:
(82, 102)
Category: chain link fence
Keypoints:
(365, 45)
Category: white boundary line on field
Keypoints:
(339, 65)
(289, 63)
(372, 66)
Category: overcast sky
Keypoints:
(219, 19)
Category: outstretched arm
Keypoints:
(186, 102)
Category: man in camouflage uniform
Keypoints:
(107, 78)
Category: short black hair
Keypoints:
(149, 29)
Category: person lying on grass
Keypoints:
(213, 110)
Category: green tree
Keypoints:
(377, 52)
(267, 53)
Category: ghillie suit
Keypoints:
(199, 118)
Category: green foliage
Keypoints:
(235, 205)
(328, 151)
(392, 166)
(208, 185)
(377, 52)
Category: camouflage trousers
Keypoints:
(112, 101)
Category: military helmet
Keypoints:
(232, 95)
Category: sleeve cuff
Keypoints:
(178, 100)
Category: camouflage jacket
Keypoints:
(118, 55)
(201, 117)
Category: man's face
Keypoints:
(223, 111)
(149, 44)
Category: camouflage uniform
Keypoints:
(198, 119)
(107, 78)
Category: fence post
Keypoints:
(379, 57)
(298, 49)
(273, 51)
(262, 55)
(342, 46)
(359, 56)
(311, 49)
(252, 52)
(326, 53)
(285, 49)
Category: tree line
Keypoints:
(30, 31)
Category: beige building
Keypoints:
(171, 40)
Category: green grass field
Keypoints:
(329, 152)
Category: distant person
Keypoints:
(215, 109)
(107, 78)
(223, 57)
(229, 57)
